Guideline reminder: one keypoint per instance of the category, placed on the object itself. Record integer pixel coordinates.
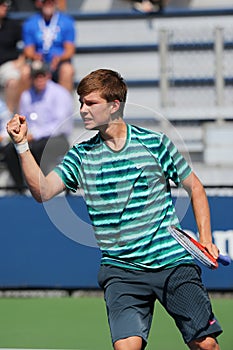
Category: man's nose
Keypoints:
(84, 108)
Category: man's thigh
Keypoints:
(187, 301)
(129, 303)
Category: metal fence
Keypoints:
(196, 70)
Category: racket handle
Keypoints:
(224, 259)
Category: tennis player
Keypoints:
(125, 172)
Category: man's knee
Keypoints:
(66, 76)
(130, 343)
(207, 343)
(66, 70)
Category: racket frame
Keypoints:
(204, 256)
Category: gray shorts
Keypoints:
(130, 296)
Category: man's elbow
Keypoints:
(192, 184)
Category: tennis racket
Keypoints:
(197, 250)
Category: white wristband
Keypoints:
(21, 147)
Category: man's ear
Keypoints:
(115, 105)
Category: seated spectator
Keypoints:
(149, 5)
(5, 114)
(49, 36)
(62, 5)
(32, 5)
(49, 109)
(11, 61)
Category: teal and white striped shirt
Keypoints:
(128, 197)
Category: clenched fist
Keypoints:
(17, 129)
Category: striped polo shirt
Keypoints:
(128, 197)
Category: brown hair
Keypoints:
(108, 83)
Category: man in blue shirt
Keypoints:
(49, 36)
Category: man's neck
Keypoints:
(115, 135)
(48, 17)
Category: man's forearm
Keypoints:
(200, 206)
(202, 213)
(34, 177)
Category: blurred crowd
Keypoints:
(36, 80)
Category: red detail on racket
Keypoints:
(197, 250)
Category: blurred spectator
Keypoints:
(32, 5)
(149, 5)
(11, 61)
(49, 36)
(49, 109)
(5, 114)
(23, 5)
(61, 4)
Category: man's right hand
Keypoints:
(17, 129)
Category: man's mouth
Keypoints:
(86, 120)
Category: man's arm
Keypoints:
(201, 211)
(68, 53)
(42, 187)
(30, 53)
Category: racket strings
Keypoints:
(192, 248)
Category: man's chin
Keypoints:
(90, 127)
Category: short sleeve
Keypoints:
(174, 165)
(68, 27)
(28, 31)
(70, 170)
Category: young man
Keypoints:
(125, 172)
(50, 36)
